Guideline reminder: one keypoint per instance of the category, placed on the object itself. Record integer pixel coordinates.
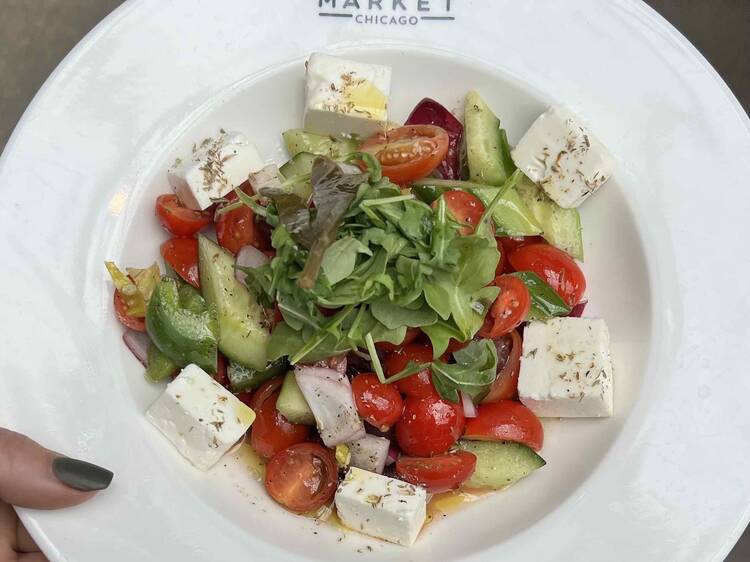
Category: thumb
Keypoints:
(32, 476)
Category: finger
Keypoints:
(8, 524)
(24, 542)
(32, 557)
(32, 476)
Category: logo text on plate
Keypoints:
(387, 12)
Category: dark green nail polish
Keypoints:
(81, 475)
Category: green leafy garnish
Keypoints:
(473, 372)
(340, 258)
(315, 229)
(380, 259)
(545, 302)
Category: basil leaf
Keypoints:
(545, 302)
(340, 258)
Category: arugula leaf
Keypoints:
(473, 372)
(379, 331)
(340, 258)
(445, 389)
(393, 316)
(440, 334)
(545, 302)
(331, 328)
(286, 341)
(258, 280)
(297, 315)
(411, 368)
(461, 293)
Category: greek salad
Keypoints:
(386, 316)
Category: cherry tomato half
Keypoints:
(438, 474)
(272, 432)
(505, 387)
(429, 426)
(182, 255)
(419, 384)
(465, 208)
(506, 420)
(509, 309)
(302, 477)
(554, 266)
(178, 219)
(409, 153)
(387, 347)
(133, 322)
(237, 228)
(377, 403)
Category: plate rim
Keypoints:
(124, 10)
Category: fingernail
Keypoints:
(81, 475)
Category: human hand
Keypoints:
(32, 476)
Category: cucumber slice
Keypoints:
(560, 227)
(511, 215)
(292, 403)
(499, 463)
(484, 142)
(243, 336)
(299, 165)
(297, 170)
(297, 141)
(242, 379)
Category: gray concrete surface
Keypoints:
(36, 34)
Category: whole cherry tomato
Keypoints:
(377, 403)
(429, 426)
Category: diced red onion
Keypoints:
(268, 177)
(370, 453)
(249, 256)
(349, 168)
(337, 363)
(470, 410)
(392, 456)
(577, 310)
(138, 343)
(329, 395)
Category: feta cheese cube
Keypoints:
(563, 157)
(201, 418)
(381, 507)
(566, 370)
(215, 168)
(346, 97)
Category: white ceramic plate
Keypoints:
(665, 479)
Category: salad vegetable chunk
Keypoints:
(388, 314)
